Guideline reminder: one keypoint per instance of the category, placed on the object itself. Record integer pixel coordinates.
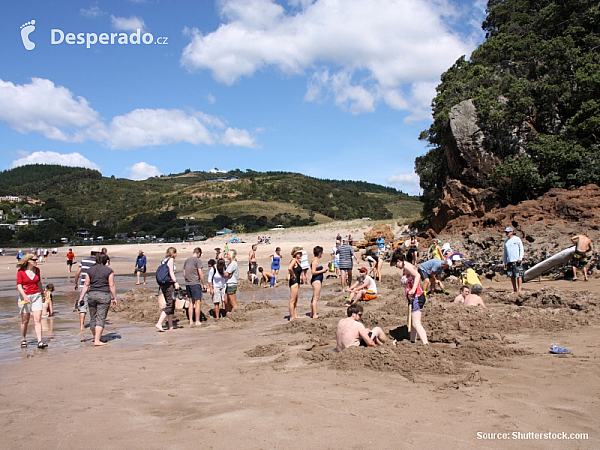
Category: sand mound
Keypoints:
(141, 305)
(314, 328)
(459, 335)
(549, 297)
(247, 286)
(237, 316)
(264, 350)
(254, 305)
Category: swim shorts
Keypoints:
(579, 259)
(369, 295)
(514, 270)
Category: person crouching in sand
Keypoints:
(352, 333)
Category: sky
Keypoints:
(336, 89)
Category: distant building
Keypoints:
(9, 226)
(22, 222)
(224, 179)
(10, 198)
(215, 170)
(2, 215)
(224, 231)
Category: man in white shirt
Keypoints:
(364, 288)
(513, 258)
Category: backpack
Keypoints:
(162, 273)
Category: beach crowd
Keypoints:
(94, 279)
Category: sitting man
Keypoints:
(364, 288)
(352, 333)
(464, 292)
(431, 273)
(473, 299)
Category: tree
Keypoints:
(535, 82)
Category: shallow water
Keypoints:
(62, 333)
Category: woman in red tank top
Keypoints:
(29, 285)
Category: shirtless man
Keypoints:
(464, 292)
(352, 333)
(252, 264)
(584, 245)
(473, 299)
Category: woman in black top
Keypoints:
(100, 286)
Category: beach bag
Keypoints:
(331, 266)
(162, 273)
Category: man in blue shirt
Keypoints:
(431, 273)
(513, 258)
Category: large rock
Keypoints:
(372, 235)
(545, 226)
(467, 190)
(466, 156)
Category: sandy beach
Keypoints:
(253, 380)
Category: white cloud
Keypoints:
(144, 127)
(142, 171)
(92, 12)
(48, 109)
(211, 99)
(66, 159)
(57, 114)
(238, 138)
(406, 182)
(360, 52)
(128, 24)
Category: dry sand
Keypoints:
(253, 380)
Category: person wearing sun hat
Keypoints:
(512, 259)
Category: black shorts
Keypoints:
(252, 266)
(579, 259)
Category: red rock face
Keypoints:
(577, 209)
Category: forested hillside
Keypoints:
(529, 100)
(77, 199)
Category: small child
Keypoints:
(47, 310)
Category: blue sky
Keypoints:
(335, 89)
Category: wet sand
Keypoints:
(253, 380)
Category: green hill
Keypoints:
(79, 198)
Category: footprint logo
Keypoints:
(26, 30)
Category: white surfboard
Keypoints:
(548, 264)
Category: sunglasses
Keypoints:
(33, 259)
